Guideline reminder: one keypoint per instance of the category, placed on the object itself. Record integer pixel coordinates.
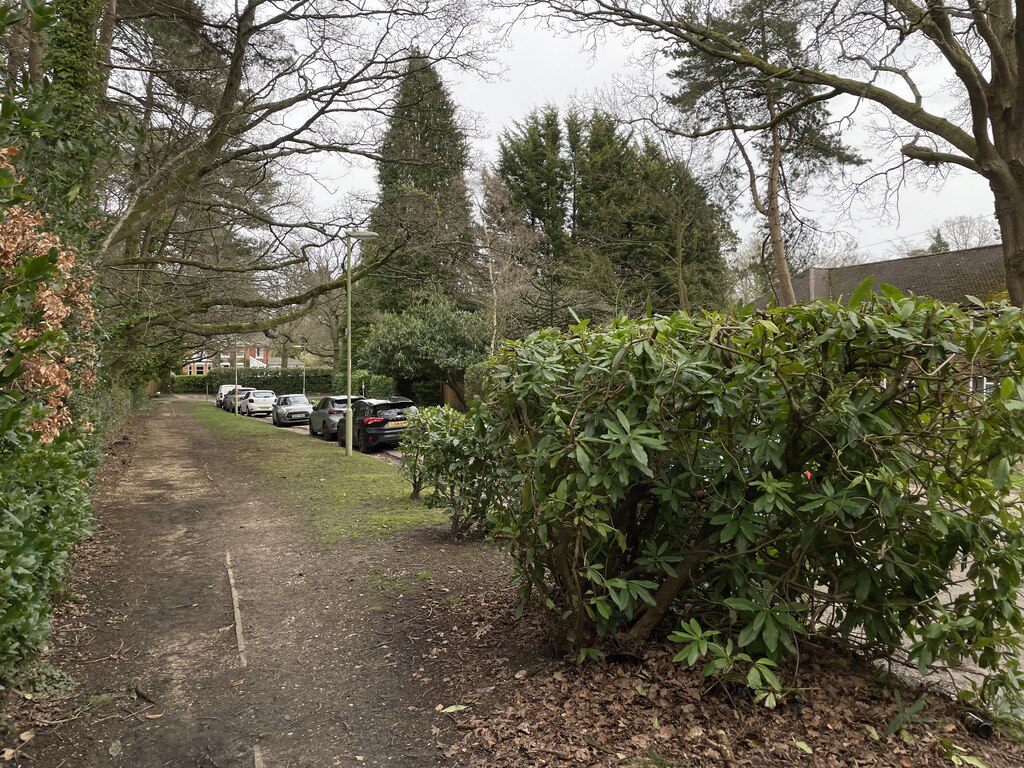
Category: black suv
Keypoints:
(378, 423)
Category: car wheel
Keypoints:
(311, 430)
(361, 443)
(327, 435)
(341, 438)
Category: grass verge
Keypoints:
(345, 498)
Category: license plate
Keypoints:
(397, 423)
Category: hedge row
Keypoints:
(285, 380)
(45, 460)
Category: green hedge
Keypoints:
(185, 384)
(280, 380)
(815, 470)
(45, 460)
(284, 381)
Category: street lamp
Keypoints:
(350, 235)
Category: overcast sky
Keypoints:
(543, 67)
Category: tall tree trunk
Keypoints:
(1010, 215)
(785, 283)
(108, 23)
(494, 304)
(336, 346)
(684, 299)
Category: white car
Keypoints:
(221, 392)
(259, 402)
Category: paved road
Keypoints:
(391, 456)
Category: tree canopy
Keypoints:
(622, 223)
(883, 53)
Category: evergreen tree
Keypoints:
(780, 129)
(625, 225)
(533, 166)
(423, 214)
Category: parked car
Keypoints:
(239, 394)
(324, 418)
(378, 423)
(259, 402)
(222, 390)
(291, 409)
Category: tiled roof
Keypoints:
(949, 276)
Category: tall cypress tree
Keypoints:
(423, 213)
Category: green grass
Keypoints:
(345, 497)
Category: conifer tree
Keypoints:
(623, 224)
(423, 213)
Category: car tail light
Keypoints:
(335, 410)
(373, 421)
(251, 400)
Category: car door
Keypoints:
(357, 413)
(316, 418)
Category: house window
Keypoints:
(982, 385)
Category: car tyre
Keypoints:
(327, 435)
(311, 430)
(361, 443)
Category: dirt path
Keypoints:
(329, 679)
(395, 651)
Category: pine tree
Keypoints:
(423, 214)
(780, 130)
(624, 224)
(532, 164)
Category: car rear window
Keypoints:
(392, 410)
(263, 394)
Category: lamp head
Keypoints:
(361, 234)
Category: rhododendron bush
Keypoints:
(807, 474)
(45, 320)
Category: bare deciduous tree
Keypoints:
(880, 52)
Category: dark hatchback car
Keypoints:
(378, 423)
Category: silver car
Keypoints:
(326, 414)
(291, 409)
(259, 402)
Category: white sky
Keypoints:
(542, 67)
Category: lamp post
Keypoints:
(350, 235)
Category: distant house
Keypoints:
(248, 354)
(947, 276)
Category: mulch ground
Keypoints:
(401, 651)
